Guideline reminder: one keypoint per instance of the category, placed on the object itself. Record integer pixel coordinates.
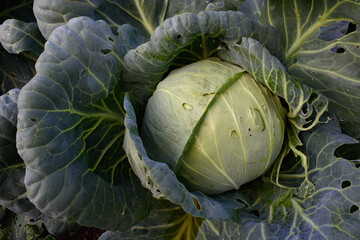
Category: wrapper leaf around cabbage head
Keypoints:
(187, 38)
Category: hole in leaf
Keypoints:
(110, 39)
(225, 46)
(353, 208)
(33, 120)
(241, 201)
(336, 30)
(345, 184)
(233, 134)
(351, 28)
(255, 212)
(340, 50)
(337, 49)
(105, 51)
(140, 231)
(348, 151)
(208, 94)
(196, 203)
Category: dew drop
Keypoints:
(233, 134)
(187, 106)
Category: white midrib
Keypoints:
(299, 41)
(146, 22)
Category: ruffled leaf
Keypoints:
(329, 64)
(70, 130)
(146, 65)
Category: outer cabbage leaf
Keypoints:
(13, 227)
(144, 15)
(166, 221)
(329, 66)
(146, 65)
(70, 130)
(331, 212)
(17, 36)
(12, 170)
(303, 102)
(12, 167)
(15, 70)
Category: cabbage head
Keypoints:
(214, 125)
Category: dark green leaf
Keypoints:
(145, 16)
(70, 130)
(15, 70)
(146, 65)
(12, 169)
(17, 36)
(329, 66)
(166, 221)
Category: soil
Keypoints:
(82, 234)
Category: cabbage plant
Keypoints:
(220, 119)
